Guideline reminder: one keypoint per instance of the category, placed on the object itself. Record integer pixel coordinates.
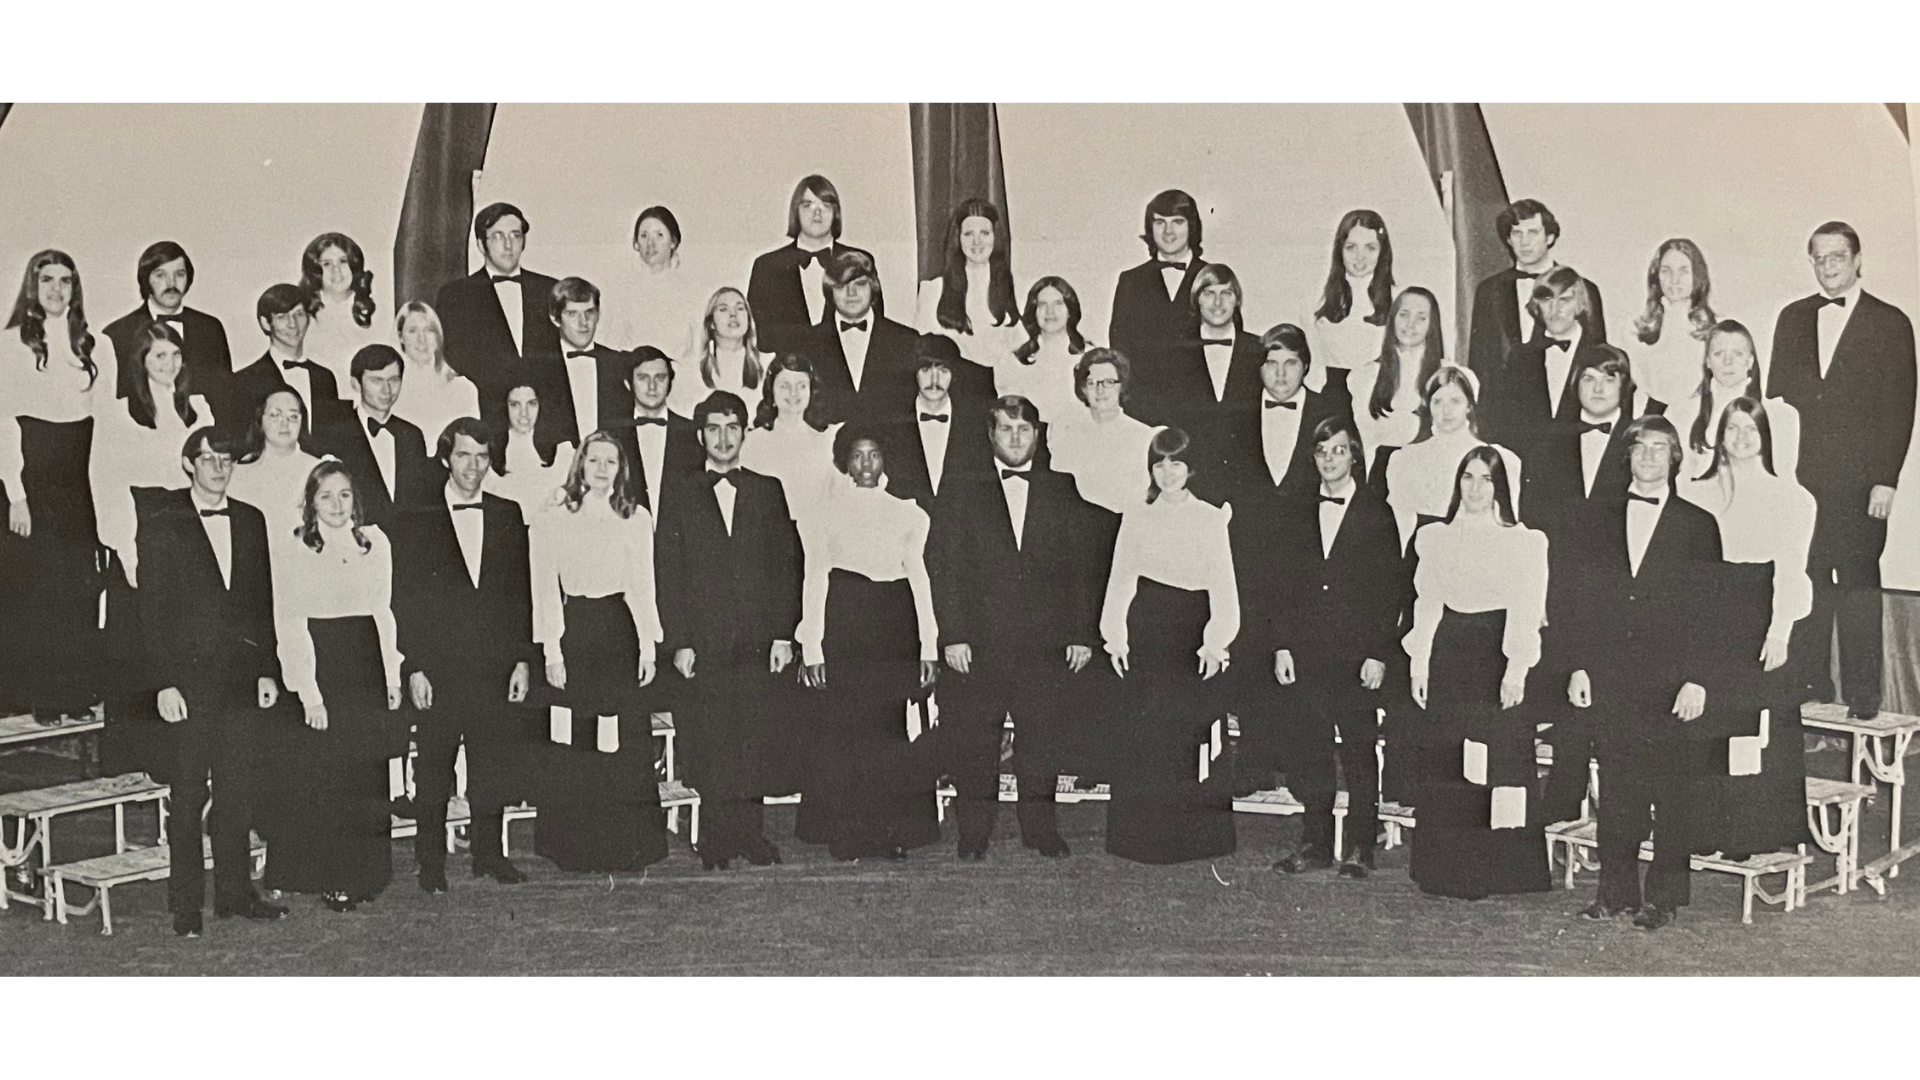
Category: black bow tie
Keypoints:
(1272, 404)
(178, 320)
(1634, 496)
(291, 365)
(1015, 474)
(1604, 426)
(644, 421)
(1556, 343)
(1524, 274)
(498, 278)
(1823, 301)
(939, 418)
(1341, 499)
(714, 477)
(815, 257)
(571, 353)
(225, 511)
(375, 427)
(1163, 264)
(846, 326)
(463, 506)
(1216, 341)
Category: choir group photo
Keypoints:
(958, 539)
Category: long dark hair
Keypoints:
(1030, 318)
(140, 403)
(1169, 444)
(309, 531)
(255, 443)
(1336, 299)
(1699, 311)
(546, 444)
(1172, 203)
(1386, 381)
(621, 497)
(1502, 487)
(1697, 434)
(356, 261)
(1750, 407)
(952, 309)
(766, 412)
(31, 318)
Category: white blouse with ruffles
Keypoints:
(1421, 476)
(1183, 544)
(127, 455)
(338, 581)
(877, 535)
(1475, 564)
(1108, 460)
(1763, 518)
(592, 552)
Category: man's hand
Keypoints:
(683, 662)
(269, 692)
(1283, 667)
(959, 657)
(1372, 674)
(173, 707)
(1078, 656)
(1879, 503)
(519, 682)
(1579, 690)
(1690, 702)
(420, 689)
(780, 657)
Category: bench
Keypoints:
(104, 872)
(1066, 790)
(1880, 747)
(1838, 835)
(673, 796)
(15, 730)
(34, 811)
(1579, 841)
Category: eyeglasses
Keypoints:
(1832, 260)
(1329, 453)
(1103, 384)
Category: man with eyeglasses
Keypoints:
(496, 317)
(1845, 359)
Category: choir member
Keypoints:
(339, 295)
(1480, 600)
(658, 442)
(275, 462)
(1102, 446)
(50, 367)
(728, 561)
(942, 437)
(1041, 367)
(1421, 475)
(585, 383)
(1582, 463)
(327, 822)
(437, 395)
(1213, 383)
(1674, 327)
(528, 467)
(1387, 387)
(726, 354)
(386, 454)
(1533, 389)
(1017, 621)
(1845, 359)
(1503, 317)
(133, 443)
(462, 601)
(657, 304)
(870, 643)
(865, 358)
(1349, 326)
(207, 616)
(1333, 596)
(1630, 596)
(1731, 370)
(164, 276)
(785, 287)
(1171, 597)
(1751, 776)
(972, 301)
(792, 441)
(282, 314)
(595, 616)
(496, 317)
(1153, 309)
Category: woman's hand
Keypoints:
(779, 657)
(393, 697)
(814, 676)
(1420, 690)
(1211, 664)
(317, 716)
(929, 671)
(1513, 692)
(19, 518)
(647, 670)
(1372, 674)
(1119, 661)
(1078, 656)
(1690, 702)
(557, 675)
(1773, 654)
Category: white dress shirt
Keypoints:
(1332, 514)
(583, 379)
(813, 277)
(508, 294)
(652, 440)
(934, 435)
(1183, 544)
(1016, 491)
(384, 450)
(1833, 322)
(1218, 358)
(1523, 293)
(1172, 275)
(874, 534)
(127, 455)
(591, 552)
(1559, 362)
(724, 493)
(339, 581)
(469, 527)
(298, 376)
(854, 343)
(1474, 564)
(175, 319)
(1593, 445)
(219, 530)
(1642, 518)
(1280, 431)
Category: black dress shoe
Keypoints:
(500, 870)
(1600, 911)
(251, 907)
(895, 852)
(186, 924)
(1300, 862)
(339, 902)
(976, 854)
(711, 859)
(1654, 916)
(761, 852)
(1863, 712)
(433, 879)
(1356, 867)
(1052, 846)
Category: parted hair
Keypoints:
(952, 309)
(571, 290)
(157, 255)
(767, 411)
(1699, 311)
(30, 318)
(1658, 425)
(1122, 368)
(1697, 433)
(140, 403)
(823, 190)
(1168, 204)
(362, 286)
(1030, 318)
(1386, 381)
(490, 216)
(1754, 409)
(1291, 338)
(1496, 464)
(1336, 298)
(309, 530)
(472, 427)
(621, 496)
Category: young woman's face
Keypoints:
(865, 463)
(1729, 359)
(730, 317)
(976, 239)
(418, 339)
(1170, 475)
(163, 362)
(1476, 487)
(53, 287)
(333, 501)
(602, 466)
(1676, 278)
(653, 242)
(336, 273)
(523, 410)
(280, 420)
(1050, 311)
(1449, 409)
(1360, 251)
(792, 393)
(1411, 324)
(1742, 438)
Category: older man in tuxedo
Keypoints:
(164, 274)
(497, 317)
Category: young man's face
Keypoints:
(1170, 235)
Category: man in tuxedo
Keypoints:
(658, 442)
(1631, 597)
(728, 563)
(282, 314)
(1335, 586)
(1502, 319)
(1845, 359)
(1017, 622)
(387, 455)
(865, 360)
(1152, 307)
(1213, 381)
(582, 387)
(462, 596)
(206, 613)
(1534, 388)
(497, 316)
(943, 434)
(785, 289)
(164, 275)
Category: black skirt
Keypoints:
(324, 810)
(1161, 810)
(1456, 851)
(1742, 815)
(49, 646)
(600, 811)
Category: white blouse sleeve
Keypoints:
(817, 544)
(640, 590)
(1513, 477)
(915, 557)
(1223, 593)
(926, 315)
(1793, 535)
(549, 619)
(1122, 582)
(1526, 575)
(291, 601)
(14, 362)
(1428, 600)
(380, 572)
(107, 473)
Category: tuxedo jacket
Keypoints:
(1514, 405)
(779, 300)
(1214, 424)
(449, 627)
(263, 378)
(479, 343)
(204, 636)
(720, 590)
(613, 395)
(886, 381)
(1496, 323)
(1343, 606)
(416, 477)
(683, 454)
(1147, 327)
(1011, 601)
(1553, 496)
(208, 362)
(1854, 423)
(1248, 458)
(969, 451)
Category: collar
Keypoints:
(361, 414)
(710, 467)
(945, 409)
(664, 414)
(1027, 468)
(1851, 296)
(1298, 398)
(1657, 500)
(278, 357)
(447, 491)
(155, 313)
(1346, 489)
(567, 347)
(1611, 418)
(487, 269)
(1573, 339)
(1216, 333)
(194, 495)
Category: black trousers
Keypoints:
(1327, 699)
(1027, 687)
(469, 707)
(1646, 787)
(213, 747)
(1572, 740)
(1844, 563)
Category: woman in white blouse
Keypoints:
(659, 302)
(1421, 476)
(526, 469)
(1100, 444)
(1042, 369)
(1349, 325)
(324, 811)
(792, 442)
(972, 301)
(726, 355)
(50, 367)
(1480, 599)
(1387, 388)
(595, 616)
(1731, 369)
(272, 475)
(1172, 610)
(436, 395)
(869, 644)
(339, 291)
(1750, 772)
(137, 444)
(1674, 326)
